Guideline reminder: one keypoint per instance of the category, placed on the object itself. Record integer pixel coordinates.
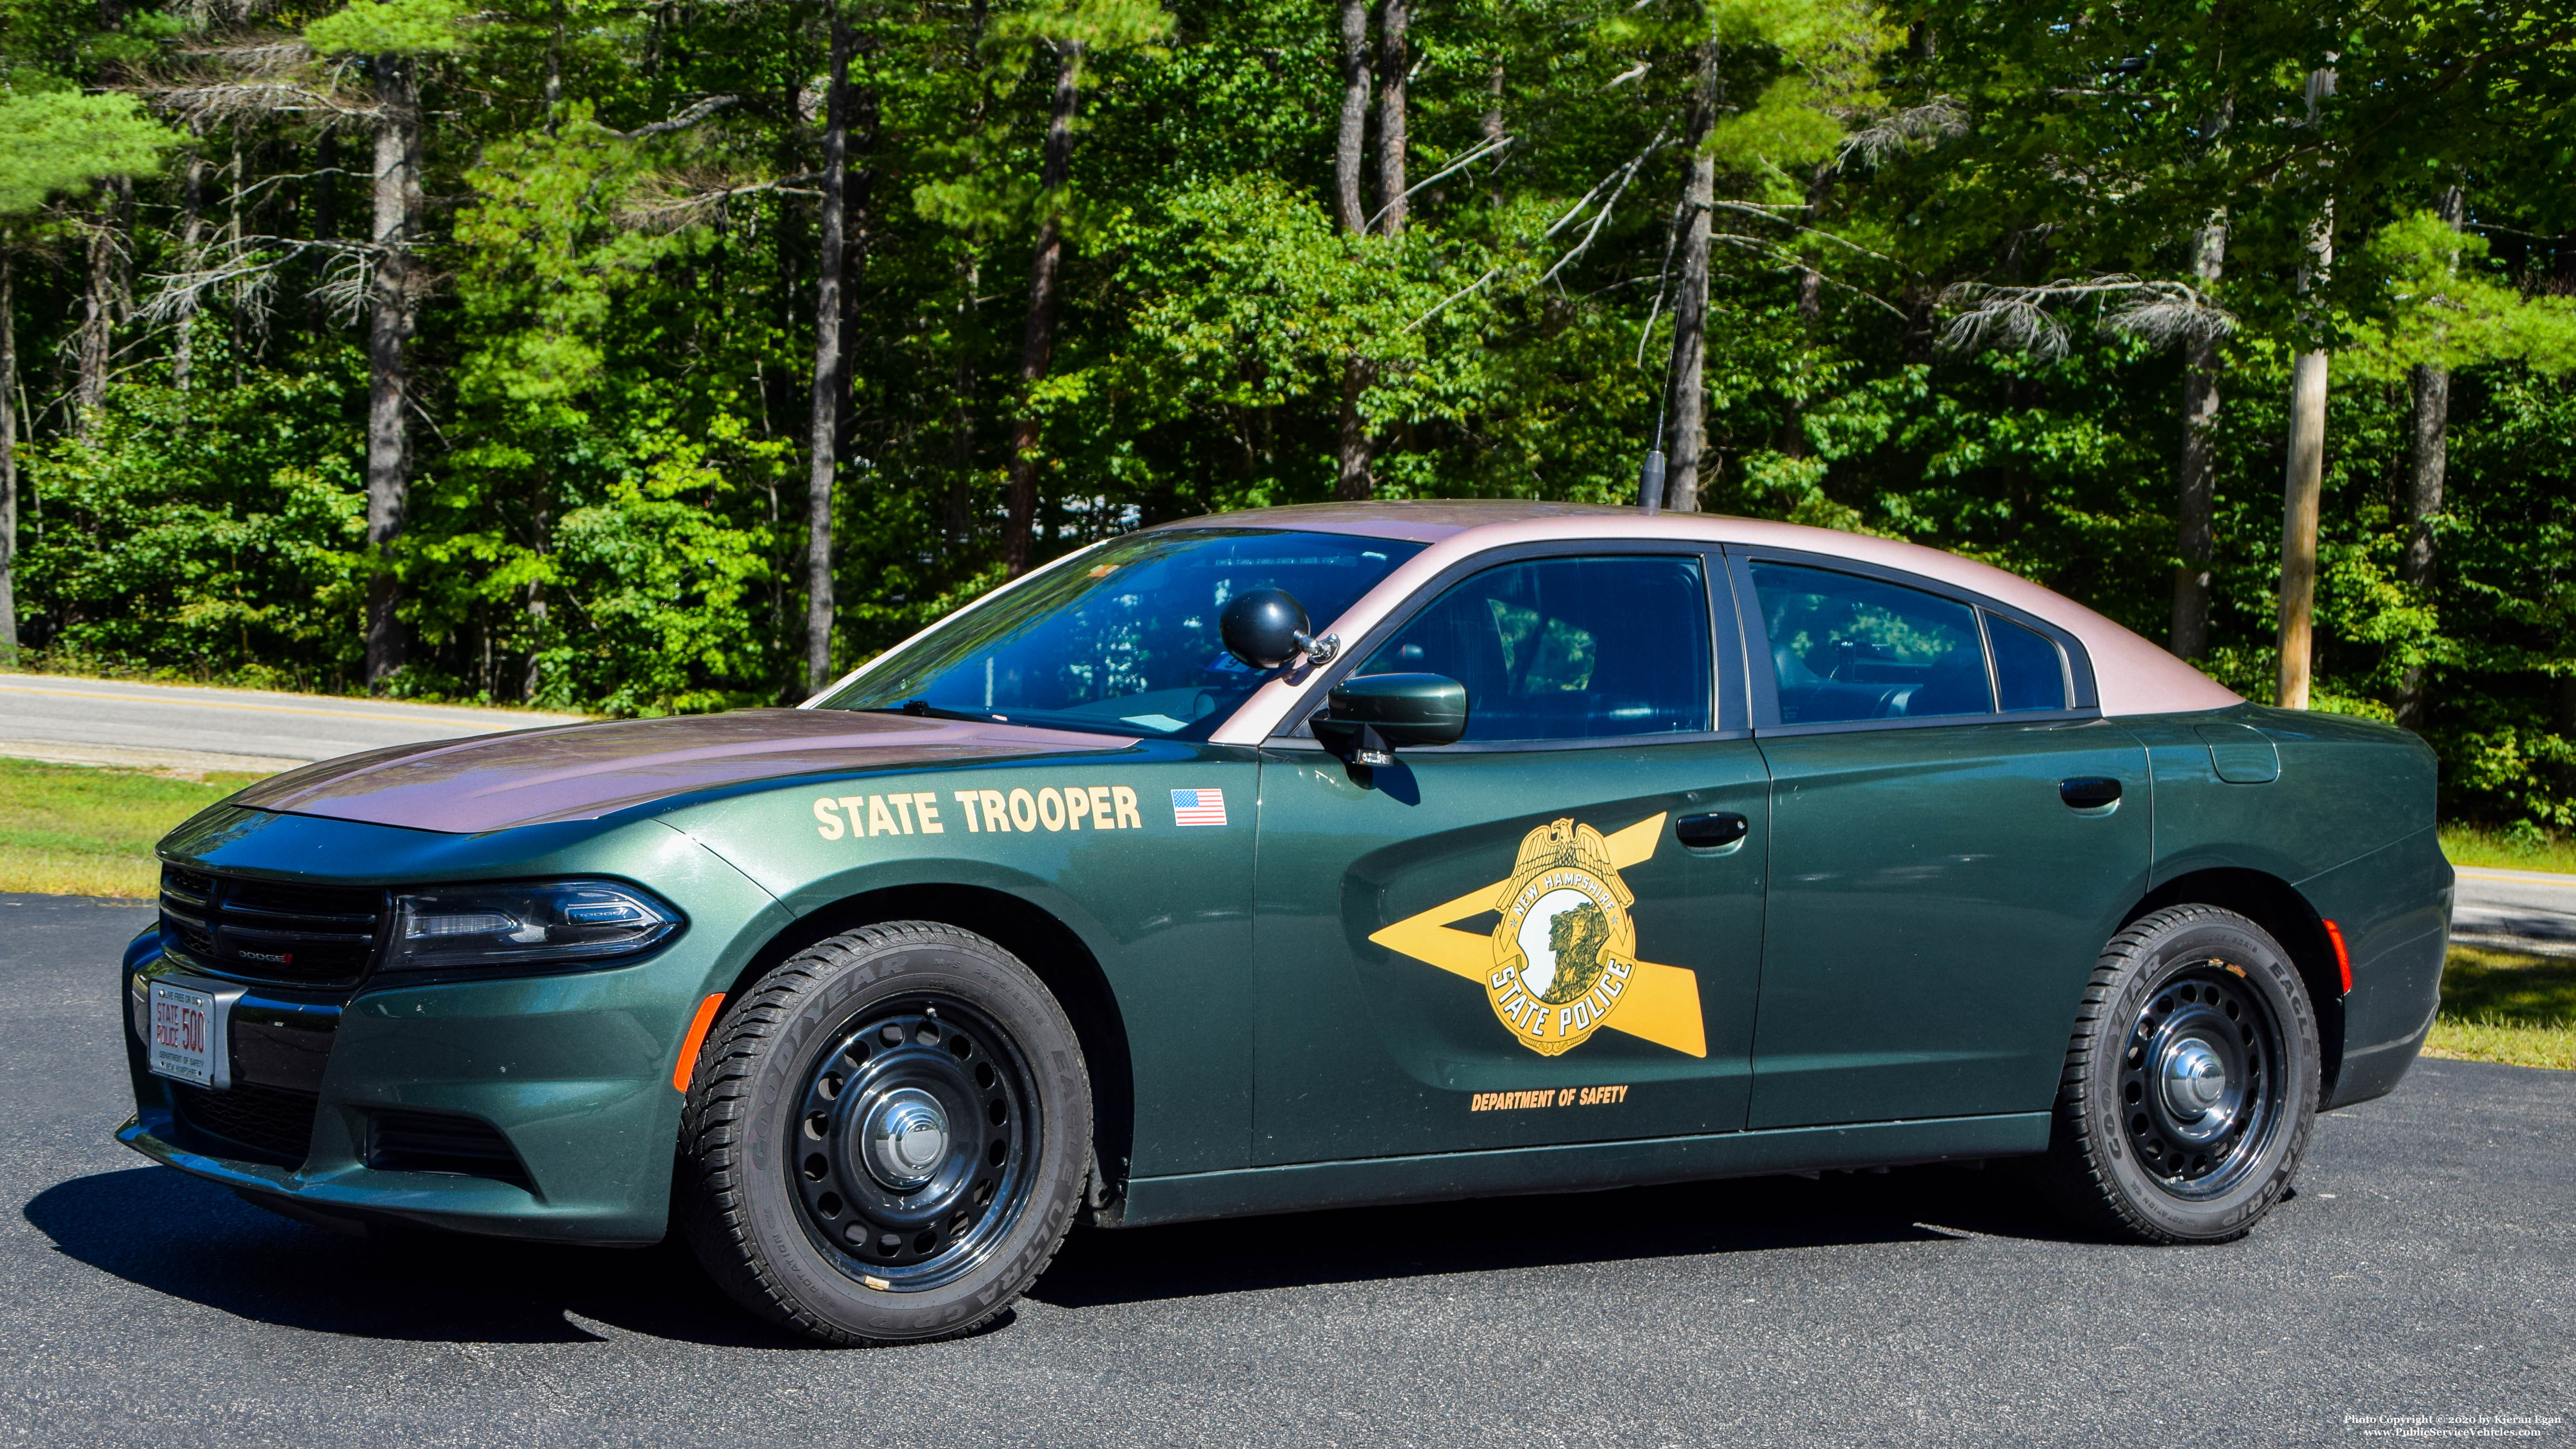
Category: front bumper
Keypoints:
(571, 1071)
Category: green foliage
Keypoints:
(199, 538)
(612, 371)
(62, 142)
(392, 27)
(2441, 305)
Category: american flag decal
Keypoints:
(1198, 807)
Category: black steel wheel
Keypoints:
(2199, 1078)
(2191, 1082)
(907, 1145)
(886, 1137)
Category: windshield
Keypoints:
(1125, 637)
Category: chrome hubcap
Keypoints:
(2195, 1079)
(906, 1138)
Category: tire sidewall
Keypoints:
(2186, 946)
(802, 1272)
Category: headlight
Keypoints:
(525, 926)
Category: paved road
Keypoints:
(2428, 1266)
(104, 721)
(2525, 910)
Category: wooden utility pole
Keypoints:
(2304, 480)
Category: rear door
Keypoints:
(1505, 942)
(1937, 900)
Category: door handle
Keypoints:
(2089, 792)
(1706, 832)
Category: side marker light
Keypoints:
(697, 1037)
(2343, 958)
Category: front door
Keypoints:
(1507, 941)
(1939, 896)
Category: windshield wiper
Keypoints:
(924, 709)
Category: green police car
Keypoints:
(1314, 856)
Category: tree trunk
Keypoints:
(1491, 128)
(326, 222)
(2304, 479)
(2428, 453)
(192, 237)
(98, 319)
(1394, 66)
(1351, 140)
(858, 196)
(824, 435)
(959, 516)
(541, 537)
(8, 456)
(1037, 345)
(2195, 528)
(1355, 453)
(1690, 303)
(391, 306)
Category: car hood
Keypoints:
(584, 771)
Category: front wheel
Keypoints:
(2191, 1082)
(886, 1136)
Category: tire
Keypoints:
(2191, 1009)
(886, 1137)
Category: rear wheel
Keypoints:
(886, 1136)
(2191, 1083)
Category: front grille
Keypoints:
(259, 930)
(251, 1123)
(436, 1142)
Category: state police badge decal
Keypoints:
(1566, 947)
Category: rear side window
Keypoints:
(1850, 648)
(1568, 648)
(2029, 672)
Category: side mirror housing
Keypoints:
(1370, 716)
(1264, 628)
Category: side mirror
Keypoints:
(1264, 628)
(1370, 715)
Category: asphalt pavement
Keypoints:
(2427, 1266)
(163, 726)
(2519, 910)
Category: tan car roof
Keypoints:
(2132, 675)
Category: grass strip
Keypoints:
(83, 830)
(2506, 1006)
(2476, 845)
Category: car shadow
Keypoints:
(187, 1238)
(191, 1239)
(1741, 1215)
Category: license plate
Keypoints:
(183, 1034)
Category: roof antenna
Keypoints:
(1650, 478)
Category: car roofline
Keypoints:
(2131, 675)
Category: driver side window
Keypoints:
(1568, 648)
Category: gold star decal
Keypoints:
(1654, 1002)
